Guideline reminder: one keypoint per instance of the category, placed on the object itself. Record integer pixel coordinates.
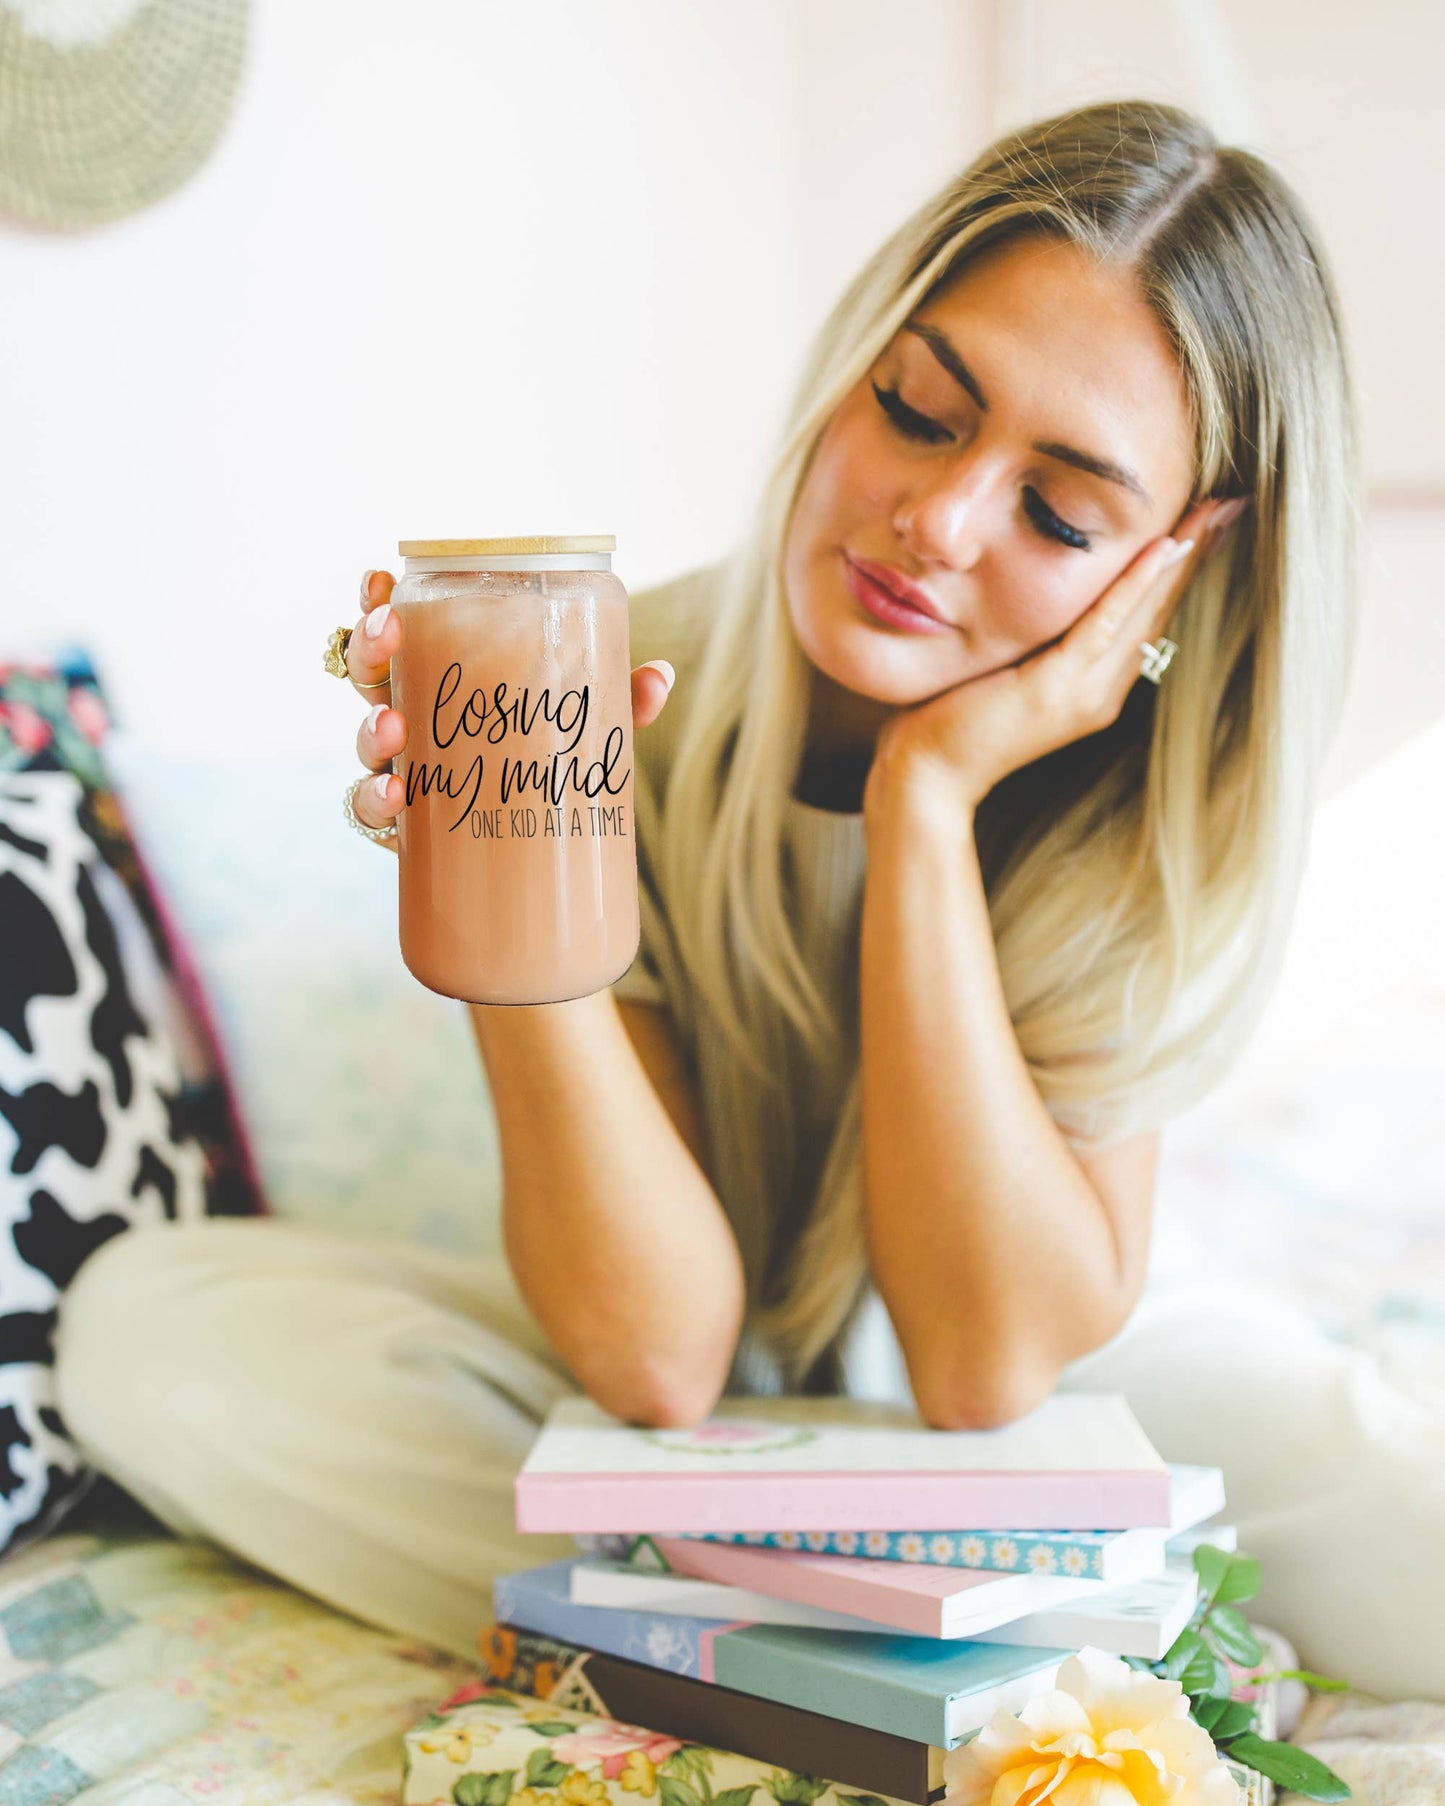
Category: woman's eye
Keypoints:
(1049, 524)
(914, 425)
(909, 421)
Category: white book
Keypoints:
(1141, 1619)
(1185, 1542)
(624, 1589)
(1195, 1493)
(776, 1587)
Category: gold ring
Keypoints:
(336, 660)
(336, 652)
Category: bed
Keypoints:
(149, 1670)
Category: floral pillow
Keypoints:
(115, 1107)
(53, 718)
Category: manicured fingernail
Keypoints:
(366, 577)
(1178, 548)
(378, 785)
(377, 620)
(661, 665)
(374, 715)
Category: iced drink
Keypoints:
(518, 867)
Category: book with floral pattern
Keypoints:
(489, 1747)
(809, 1743)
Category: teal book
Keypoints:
(921, 1688)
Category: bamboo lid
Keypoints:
(538, 546)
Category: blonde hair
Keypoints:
(1140, 882)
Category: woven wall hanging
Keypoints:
(107, 105)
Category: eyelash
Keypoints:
(914, 425)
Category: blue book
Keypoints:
(916, 1687)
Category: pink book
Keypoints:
(1079, 1462)
(927, 1601)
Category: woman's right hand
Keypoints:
(374, 642)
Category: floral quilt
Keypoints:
(140, 1669)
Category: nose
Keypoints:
(944, 522)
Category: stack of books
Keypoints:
(805, 1588)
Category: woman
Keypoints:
(892, 1121)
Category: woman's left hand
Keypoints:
(972, 735)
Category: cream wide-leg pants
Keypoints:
(350, 1416)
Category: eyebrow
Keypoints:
(946, 352)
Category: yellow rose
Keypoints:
(457, 1745)
(580, 1789)
(638, 1774)
(1110, 1735)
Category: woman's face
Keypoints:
(1014, 447)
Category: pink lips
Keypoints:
(890, 597)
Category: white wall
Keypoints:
(1345, 100)
(506, 265)
(454, 269)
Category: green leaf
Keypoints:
(677, 1793)
(742, 1796)
(1241, 1582)
(1236, 1640)
(1206, 1711)
(484, 1790)
(790, 1789)
(688, 1763)
(560, 1729)
(1290, 1767)
(1205, 1673)
(543, 1770)
(1181, 1652)
(1211, 1565)
(1236, 1718)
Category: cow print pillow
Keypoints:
(113, 1107)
